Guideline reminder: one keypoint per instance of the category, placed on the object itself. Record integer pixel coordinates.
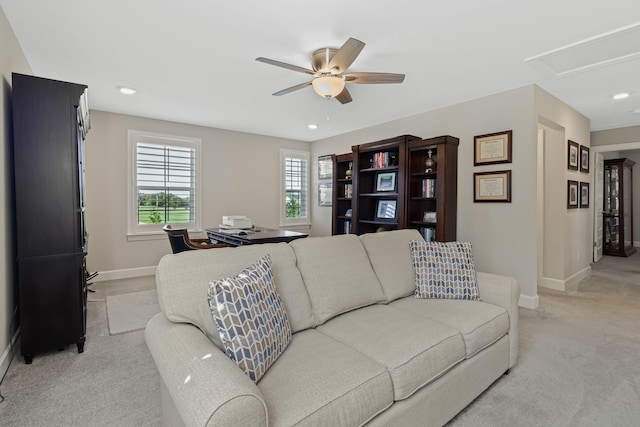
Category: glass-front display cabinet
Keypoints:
(618, 207)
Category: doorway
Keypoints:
(600, 152)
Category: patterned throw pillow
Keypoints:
(250, 318)
(444, 270)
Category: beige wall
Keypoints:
(572, 253)
(504, 235)
(240, 177)
(624, 135)
(555, 199)
(11, 60)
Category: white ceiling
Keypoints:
(193, 61)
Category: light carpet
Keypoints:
(131, 312)
(579, 357)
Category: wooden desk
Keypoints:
(252, 237)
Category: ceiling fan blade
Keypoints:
(285, 65)
(292, 89)
(345, 56)
(373, 78)
(344, 96)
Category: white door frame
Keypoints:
(598, 205)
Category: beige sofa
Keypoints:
(364, 350)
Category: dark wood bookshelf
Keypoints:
(366, 172)
(405, 156)
(444, 150)
(340, 222)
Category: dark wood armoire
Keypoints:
(50, 121)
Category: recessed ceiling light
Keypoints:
(312, 126)
(126, 90)
(622, 95)
(636, 111)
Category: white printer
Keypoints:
(236, 222)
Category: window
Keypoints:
(294, 208)
(164, 177)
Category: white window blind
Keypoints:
(164, 184)
(295, 188)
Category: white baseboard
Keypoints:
(4, 359)
(549, 283)
(569, 284)
(572, 281)
(636, 244)
(530, 302)
(125, 274)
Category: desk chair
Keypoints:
(180, 241)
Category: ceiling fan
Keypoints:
(329, 68)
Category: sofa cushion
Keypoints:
(183, 282)
(320, 382)
(444, 270)
(481, 324)
(414, 349)
(390, 257)
(250, 318)
(337, 274)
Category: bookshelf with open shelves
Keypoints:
(432, 187)
(342, 194)
(380, 184)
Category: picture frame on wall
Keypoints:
(386, 209)
(325, 194)
(386, 181)
(572, 155)
(492, 186)
(492, 148)
(325, 167)
(572, 194)
(584, 194)
(584, 159)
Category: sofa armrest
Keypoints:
(503, 291)
(206, 387)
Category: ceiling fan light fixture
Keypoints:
(328, 86)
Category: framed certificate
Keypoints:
(492, 186)
(492, 148)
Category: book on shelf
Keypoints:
(429, 217)
(383, 159)
(428, 233)
(348, 191)
(428, 187)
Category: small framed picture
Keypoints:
(584, 194)
(492, 186)
(584, 159)
(386, 209)
(386, 181)
(572, 155)
(572, 194)
(325, 167)
(325, 194)
(492, 148)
